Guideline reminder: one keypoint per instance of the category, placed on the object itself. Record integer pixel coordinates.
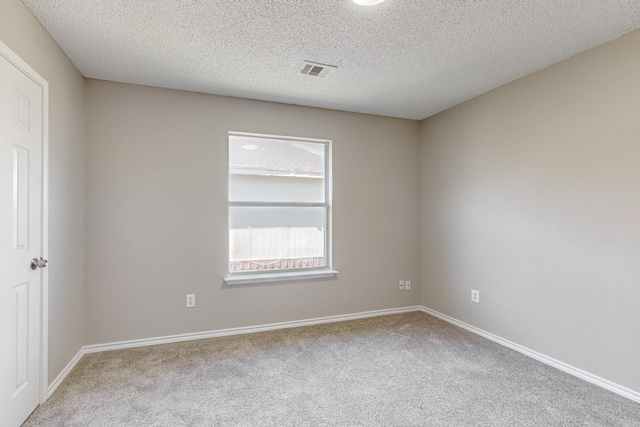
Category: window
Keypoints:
(279, 208)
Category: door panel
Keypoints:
(21, 139)
(20, 198)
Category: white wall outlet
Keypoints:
(407, 285)
(191, 300)
(475, 296)
(401, 285)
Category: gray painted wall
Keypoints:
(157, 213)
(531, 194)
(23, 34)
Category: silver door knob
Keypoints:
(38, 263)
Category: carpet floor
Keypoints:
(398, 370)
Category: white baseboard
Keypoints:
(62, 375)
(244, 330)
(593, 379)
(216, 333)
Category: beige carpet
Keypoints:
(400, 370)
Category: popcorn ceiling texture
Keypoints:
(402, 58)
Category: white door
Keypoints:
(21, 240)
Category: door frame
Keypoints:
(21, 65)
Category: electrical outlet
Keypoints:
(475, 296)
(191, 300)
(401, 285)
(407, 285)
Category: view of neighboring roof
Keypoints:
(259, 155)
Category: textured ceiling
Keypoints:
(401, 58)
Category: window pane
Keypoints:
(272, 170)
(276, 238)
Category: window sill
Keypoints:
(242, 279)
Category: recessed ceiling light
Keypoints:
(249, 146)
(367, 2)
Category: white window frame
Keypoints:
(234, 278)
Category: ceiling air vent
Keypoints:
(316, 70)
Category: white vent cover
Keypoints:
(316, 70)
